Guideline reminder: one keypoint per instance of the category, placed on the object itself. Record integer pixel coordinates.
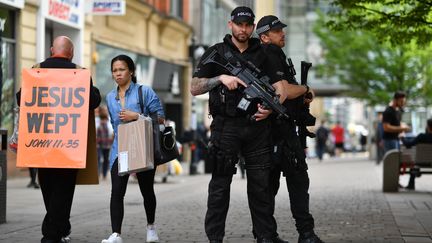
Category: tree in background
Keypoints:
(374, 69)
(396, 21)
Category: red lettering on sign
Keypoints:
(59, 10)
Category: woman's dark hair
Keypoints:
(129, 62)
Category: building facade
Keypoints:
(156, 34)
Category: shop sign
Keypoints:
(107, 7)
(69, 12)
(13, 3)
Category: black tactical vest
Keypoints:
(224, 102)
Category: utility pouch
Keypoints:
(216, 101)
(289, 160)
(231, 100)
(225, 164)
(293, 156)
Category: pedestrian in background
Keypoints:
(33, 174)
(379, 142)
(123, 106)
(322, 134)
(422, 138)
(104, 141)
(338, 133)
(235, 131)
(58, 185)
(290, 157)
(392, 125)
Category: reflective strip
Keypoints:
(262, 29)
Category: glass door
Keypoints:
(8, 84)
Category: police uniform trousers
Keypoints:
(229, 138)
(58, 187)
(298, 185)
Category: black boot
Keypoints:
(411, 183)
(215, 241)
(279, 240)
(309, 237)
(264, 240)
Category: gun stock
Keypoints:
(307, 119)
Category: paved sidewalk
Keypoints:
(346, 201)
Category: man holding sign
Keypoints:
(50, 124)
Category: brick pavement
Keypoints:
(346, 201)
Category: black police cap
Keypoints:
(242, 14)
(267, 23)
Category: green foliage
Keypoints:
(396, 21)
(374, 70)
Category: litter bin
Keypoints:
(3, 175)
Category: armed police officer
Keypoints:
(236, 131)
(290, 156)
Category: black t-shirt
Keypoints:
(277, 63)
(322, 135)
(392, 117)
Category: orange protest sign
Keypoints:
(53, 118)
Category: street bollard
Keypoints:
(3, 174)
(391, 171)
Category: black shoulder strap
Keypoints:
(140, 98)
(221, 49)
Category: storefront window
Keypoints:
(214, 14)
(7, 74)
(103, 79)
(176, 8)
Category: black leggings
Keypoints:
(118, 190)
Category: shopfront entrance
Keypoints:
(7, 72)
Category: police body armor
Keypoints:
(227, 103)
(224, 104)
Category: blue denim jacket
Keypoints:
(151, 104)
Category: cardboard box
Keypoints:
(90, 175)
(135, 146)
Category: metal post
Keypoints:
(193, 122)
(1, 71)
(3, 175)
(3, 145)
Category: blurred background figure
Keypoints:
(379, 143)
(392, 125)
(422, 138)
(322, 134)
(202, 140)
(33, 183)
(338, 133)
(104, 140)
(241, 165)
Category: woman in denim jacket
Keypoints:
(123, 107)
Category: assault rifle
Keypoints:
(258, 85)
(303, 117)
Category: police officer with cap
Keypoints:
(236, 132)
(291, 157)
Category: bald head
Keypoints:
(62, 47)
